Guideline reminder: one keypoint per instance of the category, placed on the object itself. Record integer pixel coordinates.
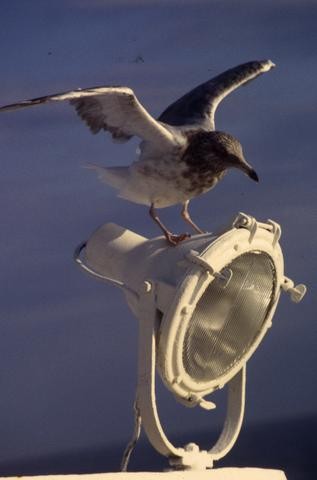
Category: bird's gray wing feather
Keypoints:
(113, 109)
(198, 106)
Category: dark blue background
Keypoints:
(67, 343)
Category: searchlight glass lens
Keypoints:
(228, 317)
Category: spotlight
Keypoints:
(203, 307)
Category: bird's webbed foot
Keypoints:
(176, 239)
(170, 237)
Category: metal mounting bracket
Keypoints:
(190, 457)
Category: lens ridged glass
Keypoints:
(228, 318)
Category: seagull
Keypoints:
(181, 154)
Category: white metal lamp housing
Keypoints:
(204, 307)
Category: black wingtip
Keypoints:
(23, 104)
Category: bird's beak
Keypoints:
(248, 170)
(252, 174)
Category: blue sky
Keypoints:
(67, 343)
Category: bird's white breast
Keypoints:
(157, 179)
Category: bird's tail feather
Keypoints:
(117, 177)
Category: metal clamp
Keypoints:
(276, 230)
(195, 400)
(296, 292)
(225, 276)
(250, 223)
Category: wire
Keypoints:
(77, 254)
(135, 437)
(92, 272)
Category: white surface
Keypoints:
(216, 474)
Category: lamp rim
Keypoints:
(220, 253)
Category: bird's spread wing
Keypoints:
(114, 109)
(198, 106)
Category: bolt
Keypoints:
(147, 286)
(191, 447)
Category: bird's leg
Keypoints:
(170, 237)
(187, 218)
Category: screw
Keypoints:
(191, 447)
(147, 286)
